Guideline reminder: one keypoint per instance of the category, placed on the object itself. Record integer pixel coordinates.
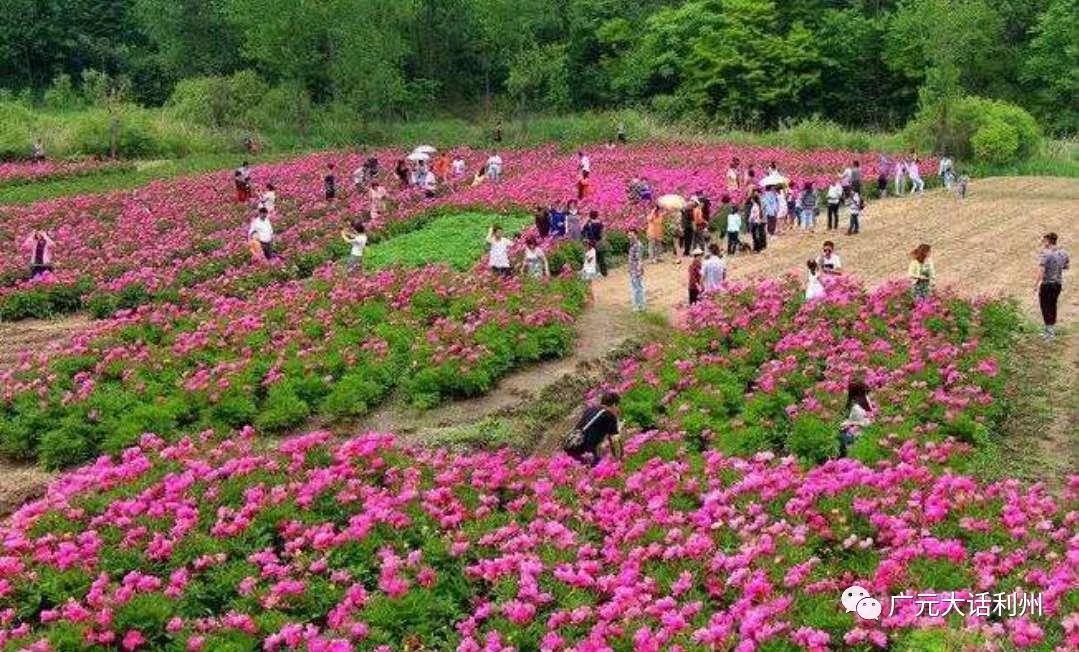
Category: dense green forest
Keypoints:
(748, 64)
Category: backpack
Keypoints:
(574, 439)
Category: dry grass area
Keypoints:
(984, 245)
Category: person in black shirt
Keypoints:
(543, 221)
(592, 231)
(330, 182)
(598, 423)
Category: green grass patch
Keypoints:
(457, 240)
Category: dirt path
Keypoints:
(983, 245)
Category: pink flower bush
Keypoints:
(29, 171)
(362, 544)
(758, 368)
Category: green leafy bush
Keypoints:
(281, 410)
(995, 142)
(812, 439)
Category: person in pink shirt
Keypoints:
(40, 246)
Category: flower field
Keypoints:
(209, 544)
(121, 249)
(756, 368)
(332, 346)
(14, 173)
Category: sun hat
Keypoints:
(697, 251)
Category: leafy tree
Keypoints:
(1051, 67)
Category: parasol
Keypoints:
(671, 202)
(774, 179)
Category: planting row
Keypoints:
(757, 368)
(120, 249)
(333, 346)
(16, 173)
(216, 544)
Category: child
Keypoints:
(357, 237)
(814, 288)
(734, 227)
(855, 205)
(590, 268)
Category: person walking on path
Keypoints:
(592, 231)
(856, 176)
(635, 264)
(734, 229)
(771, 209)
(855, 205)
(357, 238)
(834, 196)
(696, 282)
(1051, 265)
(809, 207)
(884, 168)
(598, 424)
(921, 272)
(757, 224)
(40, 246)
(687, 228)
(498, 258)
(261, 230)
(714, 269)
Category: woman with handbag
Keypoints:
(597, 424)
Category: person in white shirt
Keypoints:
(829, 261)
(499, 257)
(269, 199)
(262, 230)
(359, 178)
(734, 228)
(494, 167)
(458, 166)
(357, 237)
(584, 164)
(430, 184)
(835, 195)
(714, 269)
(814, 288)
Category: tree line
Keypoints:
(739, 63)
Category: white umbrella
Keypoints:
(774, 179)
(419, 156)
(424, 149)
(671, 202)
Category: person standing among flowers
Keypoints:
(884, 167)
(898, 169)
(557, 220)
(40, 246)
(732, 175)
(1051, 265)
(494, 167)
(917, 185)
(597, 424)
(714, 269)
(401, 172)
(946, 171)
(542, 220)
(695, 282)
(860, 410)
(592, 231)
(329, 182)
(242, 179)
(814, 288)
(534, 262)
(498, 258)
(856, 176)
(921, 272)
(376, 196)
(635, 263)
(261, 230)
(357, 238)
(269, 199)
(573, 221)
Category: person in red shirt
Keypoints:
(695, 283)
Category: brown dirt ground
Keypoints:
(985, 244)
